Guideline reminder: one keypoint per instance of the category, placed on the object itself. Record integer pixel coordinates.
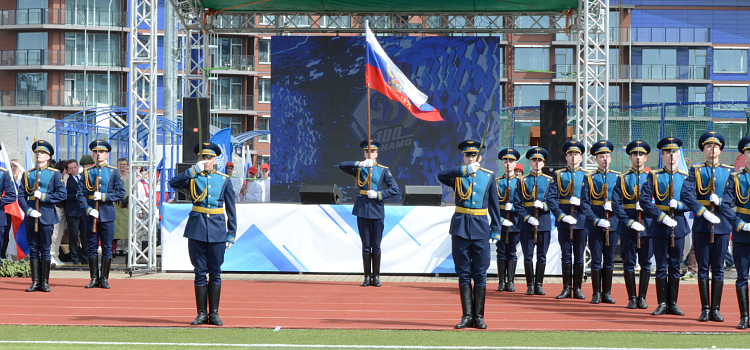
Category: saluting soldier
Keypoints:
(633, 225)
(534, 220)
(38, 202)
(372, 189)
(211, 227)
(102, 187)
(8, 195)
(701, 192)
(564, 195)
(736, 197)
(476, 195)
(596, 196)
(665, 186)
(507, 259)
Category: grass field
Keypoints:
(231, 338)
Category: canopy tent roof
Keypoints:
(391, 6)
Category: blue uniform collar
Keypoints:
(718, 164)
(676, 170)
(104, 165)
(600, 171)
(632, 170)
(505, 176)
(572, 170)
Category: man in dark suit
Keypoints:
(74, 213)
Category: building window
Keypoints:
(697, 94)
(489, 22)
(730, 93)
(659, 94)
(565, 67)
(264, 123)
(101, 53)
(730, 61)
(264, 90)
(529, 95)
(264, 51)
(31, 89)
(564, 92)
(532, 22)
(698, 64)
(659, 64)
(79, 92)
(144, 40)
(614, 95)
(335, 22)
(227, 94)
(31, 49)
(234, 123)
(267, 19)
(532, 58)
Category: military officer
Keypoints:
(534, 220)
(632, 225)
(42, 188)
(596, 204)
(102, 187)
(563, 199)
(8, 195)
(736, 197)
(476, 196)
(506, 245)
(665, 186)
(702, 193)
(374, 184)
(209, 231)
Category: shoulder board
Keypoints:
(560, 170)
(222, 174)
(3, 169)
(615, 172)
(382, 166)
(682, 172)
(487, 171)
(110, 167)
(52, 169)
(547, 176)
(699, 165)
(586, 171)
(726, 166)
(659, 171)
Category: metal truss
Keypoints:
(592, 74)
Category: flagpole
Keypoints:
(369, 140)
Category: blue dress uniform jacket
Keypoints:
(735, 198)
(624, 198)
(524, 199)
(9, 195)
(657, 185)
(592, 198)
(506, 193)
(213, 196)
(382, 182)
(53, 191)
(558, 197)
(111, 187)
(696, 194)
(475, 197)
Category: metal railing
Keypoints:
(60, 16)
(670, 35)
(60, 58)
(642, 71)
(234, 62)
(232, 102)
(60, 98)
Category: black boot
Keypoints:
(540, 268)
(742, 301)
(661, 296)
(375, 270)
(93, 272)
(478, 313)
(528, 270)
(511, 285)
(705, 306)
(644, 279)
(607, 286)
(577, 282)
(716, 288)
(596, 285)
(630, 288)
(104, 278)
(45, 275)
(502, 270)
(214, 295)
(366, 262)
(467, 306)
(567, 272)
(36, 276)
(674, 291)
(201, 297)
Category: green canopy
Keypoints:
(391, 6)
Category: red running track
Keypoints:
(305, 304)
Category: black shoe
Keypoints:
(674, 291)
(607, 286)
(45, 276)
(540, 268)
(629, 278)
(104, 278)
(93, 272)
(644, 279)
(596, 285)
(577, 282)
(511, 285)
(742, 301)
(375, 280)
(478, 313)
(201, 300)
(567, 272)
(705, 306)
(502, 270)
(661, 297)
(367, 263)
(467, 306)
(36, 276)
(716, 288)
(214, 295)
(528, 271)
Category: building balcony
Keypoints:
(224, 63)
(20, 99)
(646, 36)
(24, 58)
(658, 72)
(59, 17)
(226, 103)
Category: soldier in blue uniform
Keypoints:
(8, 195)
(369, 208)
(736, 197)
(476, 195)
(668, 256)
(38, 202)
(101, 188)
(564, 195)
(534, 219)
(632, 224)
(506, 246)
(209, 231)
(596, 204)
(702, 193)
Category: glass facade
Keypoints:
(529, 95)
(264, 51)
(730, 61)
(659, 94)
(101, 52)
(264, 123)
(264, 90)
(92, 90)
(532, 58)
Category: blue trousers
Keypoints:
(631, 253)
(542, 246)
(371, 233)
(709, 254)
(105, 233)
(472, 259)
(667, 258)
(206, 258)
(574, 249)
(741, 262)
(508, 251)
(598, 249)
(39, 242)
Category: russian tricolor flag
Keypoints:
(16, 214)
(382, 75)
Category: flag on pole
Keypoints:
(681, 164)
(382, 75)
(159, 168)
(223, 139)
(30, 161)
(14, 210)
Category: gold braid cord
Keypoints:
(660, 196)
(359, 182)
(592, 191)
(738, 190)
(568, 189)
(499, 195)
(29, 190)
(699, 183)
(193, 192)
(624, 188)
(463, 195)
(526, 195)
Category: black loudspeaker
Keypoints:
(320, 194)
(190, 126)
(553, 130)
(182, 194)
(422, 195)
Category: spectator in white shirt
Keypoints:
(265, 181)
(252, 191)
(235, 180)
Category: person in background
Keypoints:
(121, 209)
(265, 180)
(252, 190)
(74, 212)
(237, 182)
(8, 195)
(518, 170)
(507, 259)
(59, 230)
(16, 171)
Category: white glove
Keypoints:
(200, 166)
(533, 222)
(569, 220)
(35, 214)
(711, 218)
(575, 201)
(638, 206)
(372, 194)
(608, 206)
(603, 223)
(746, 227)
(367, 163)
(97, 196)
(229, 245)
(673, 203)
(715, 199)
(538, 204)
(638, 227)
(508, 206)
(472, 168)
(507, 223)
(38, 194)
(669, 222)
(493, 241)
(94, 213)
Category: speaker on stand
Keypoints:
(553, 118)
(320, 194)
